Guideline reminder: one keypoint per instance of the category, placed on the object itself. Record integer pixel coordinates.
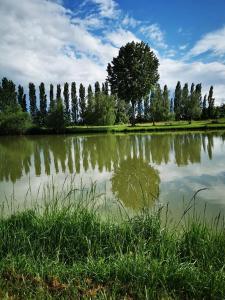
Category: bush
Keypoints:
(14, 122)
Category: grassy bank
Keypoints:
(143, 127)
(72, 254)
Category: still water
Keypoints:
(138, 169)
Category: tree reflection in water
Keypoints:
(136, 183)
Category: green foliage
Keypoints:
(74, 103)
(14, 122)
(8, 96)
(33, 101)
(133, 73)
(122, 112)
(56, 117)
(104, 109)
(211, 101)
(177, 101)
(51, 96)
(82, 103)
(43, 105)
(66, 103)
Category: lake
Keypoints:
(138, 169)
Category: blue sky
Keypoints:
(73, 40)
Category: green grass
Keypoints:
(71, 253)
(143, 127)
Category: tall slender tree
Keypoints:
(43, 104)
(184, 107)
(97, 88)
(204, 108)
(82, 102)
(58, 92)
(74, 103)
(66, 103)
(51, 96)
(211, 101)
(24, 104)
(20, 95)
(177, 101)
(166, 103)
(33, 101)
(90, 106)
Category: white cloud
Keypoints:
(107, 8)
(154, 33)
(39, 43)
(130, 21)
(183, 47)
(120, 37)
(213, 41)
(42, 41)
(208, 74)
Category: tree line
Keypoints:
(131, 93)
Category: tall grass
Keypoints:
(68, 252)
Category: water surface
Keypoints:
(138, 169)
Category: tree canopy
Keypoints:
(133, 73)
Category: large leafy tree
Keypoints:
(133, 73)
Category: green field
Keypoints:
(71, 253)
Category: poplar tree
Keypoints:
(33, 101)
(204, 108)
(66, 103)
(177, 101)
(165, 103)
(51, 97)
(82, 102)
(43, 104)
(211, 101)
(24, 104)
(97, 88)
(20, 95)
(90, 106)
(184, 102)
(58, 92)
(74, 103)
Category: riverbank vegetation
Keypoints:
(129, 94)
(71, 253)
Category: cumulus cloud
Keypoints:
(107, 8)
(40, 42)
(155, 34)
(43, 41)
(120, 37)
(208, 74)
(212, 41)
